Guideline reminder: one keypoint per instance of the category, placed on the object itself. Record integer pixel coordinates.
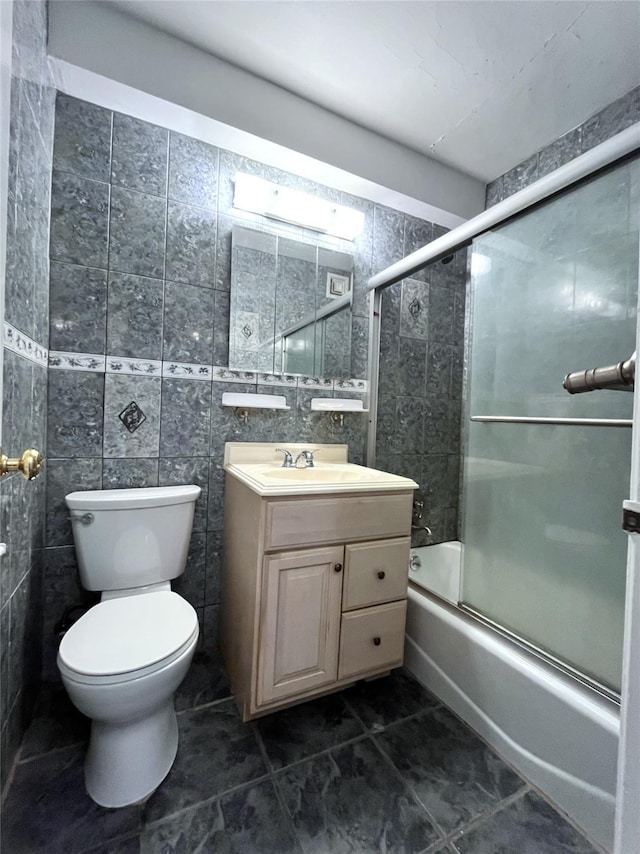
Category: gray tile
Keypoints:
(400, 424)
(216, 752)
(439, 358)
(415, 309)
(412, 367)
(205, 682)
(614, 118)
(47, 808)
(82, 143)
(495, 192)
(137, 233)
(63, 477)
(528, 825)
(134, 316)
(249, 820)
(193, 171)
(417, 234)
(441, 315)
(221, 329)
(350, 801)
(223, 251)
(56, 723)
(176, 471)
(140, 155)
(191, 245)
(186, 415)
(559, 152)
(454, 774)
(520, 176)
(213, 578)
(75, 414)
(129, 473)
(79, 220)
(120, 391)
(216, 489)
(211, 627)
(77, 309)
(191, 583)
(388, 237)
(304, 730)
(436, 425)
(380, 702)
(188, 324)
(128, 845)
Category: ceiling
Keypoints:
(477, 85)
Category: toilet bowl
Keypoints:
(121, 664)
(123, 660)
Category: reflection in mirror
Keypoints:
(290, 306)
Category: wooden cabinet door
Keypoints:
(300, 622)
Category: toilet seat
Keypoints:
(125, 638)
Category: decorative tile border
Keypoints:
(21, 344)
(187, 371)
(77, 362)
(140, 367)
(278, 379)
(182, 370)
(226, 375)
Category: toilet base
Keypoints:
(126, 762)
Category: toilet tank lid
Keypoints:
(128, 499)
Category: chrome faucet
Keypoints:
(307, 456)
(287, 463)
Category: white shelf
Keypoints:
(337, 404)
(254, 401)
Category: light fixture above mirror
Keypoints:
(286, 205)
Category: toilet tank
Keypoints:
(131, 537)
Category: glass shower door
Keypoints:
(552, 292)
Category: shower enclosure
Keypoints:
(545, 472)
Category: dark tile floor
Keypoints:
(380, 767)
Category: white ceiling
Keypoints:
(477, 85)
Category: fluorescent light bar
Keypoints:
(282, 203)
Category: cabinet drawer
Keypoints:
(372, 638)
(375, 572)
(316, 521)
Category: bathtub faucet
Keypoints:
(422, 528)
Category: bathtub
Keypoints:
(562, 736)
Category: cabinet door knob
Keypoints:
(381, 575)
(376, 641)
(337, 567)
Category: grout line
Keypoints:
(53, 750)
(411, 789)
(483, 817)
(279, 771)
(279, 795)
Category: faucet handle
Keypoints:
(308, 457)
(287, 463)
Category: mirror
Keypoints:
(290, 306)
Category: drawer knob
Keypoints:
(381, 575)
(377, 641)
(337, 567)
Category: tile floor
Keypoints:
(380, 767)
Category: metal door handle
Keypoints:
(620, 377)
(29, 464)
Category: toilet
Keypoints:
(123, 660)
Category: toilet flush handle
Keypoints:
(85, 519)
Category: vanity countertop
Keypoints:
(259, 466)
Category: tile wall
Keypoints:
(22, 507)
(420, 390)
(139, 289)
(611, 120)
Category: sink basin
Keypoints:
(316, 475)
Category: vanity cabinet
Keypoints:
(314, 592)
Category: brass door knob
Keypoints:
(29, 464)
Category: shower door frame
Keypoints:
(617, 148)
